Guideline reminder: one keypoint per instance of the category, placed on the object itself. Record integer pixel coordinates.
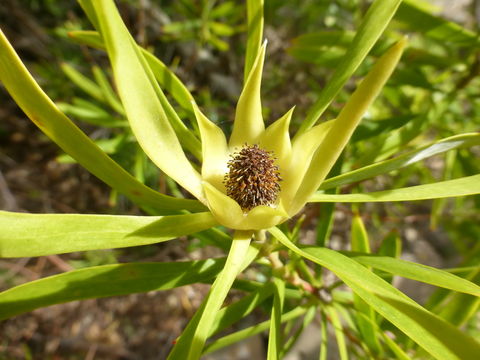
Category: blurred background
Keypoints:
(433, 94)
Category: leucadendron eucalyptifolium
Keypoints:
(302, 164)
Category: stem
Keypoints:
(207, 312)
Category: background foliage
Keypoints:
(432, 96)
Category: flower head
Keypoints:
(261, 200)
(253, 178)
(260, 177)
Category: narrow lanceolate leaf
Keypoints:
(435, 27)
(43, 112)
(399, 162)
(469, 185)
(45, 234)
(323, 338)
(461, 307)
(254, 33)
(214, 149)
(348, 119)
(165, 77)
(238, 310)
(83, 82)
(418, 272)
(147, 116)
(103, 281)
(252, 330)
(275, 335)
(439, 338)
(190, 344)
(110, 97)
(377, 18)
(361, 243)
(332, 314)
(248, 123)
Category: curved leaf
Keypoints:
(439, 338)
(469, 185)
(145, 111)
(254, 33)
(45, 234)
(419, 272)
(332, 146)
(103, 281)
(252, 330)
(43, 112)
(165, 77)
(339, 331)
(399, 162)
(376, 19)
(248, 124)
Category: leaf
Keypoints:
(254, 34)
(166, 78)
(323, 337)
(214, 149)
(83, 82)
(42, 111)
(45, 234)
(190, 344)
(327, 213)
(91, 114)
(391, 246)
(108, 93)
(435, 27)
(399, 162)
(360, 243)
(461, 307)
(469, 185)
(376, 19)
(373, 128)
(418, 272)
(439, 338)
(332, 146)
(338, 329)
(87, 37)
(238, 310)
(251, 331)
(248, 124)
(103, 281)
(169, 81)
(145, 112)
(319, 39)
(307, 319)
(275, 334)
(439, 204)
(185, 136)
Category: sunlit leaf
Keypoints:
(469, 185)
(251, 331)
(399, 162)
(376, 19)
(439, 338)
(104, 281)
(43, 112)
(144, 109)
(255, 33)
(44, 234)
(343, 126)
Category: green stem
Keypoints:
(195, 335)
